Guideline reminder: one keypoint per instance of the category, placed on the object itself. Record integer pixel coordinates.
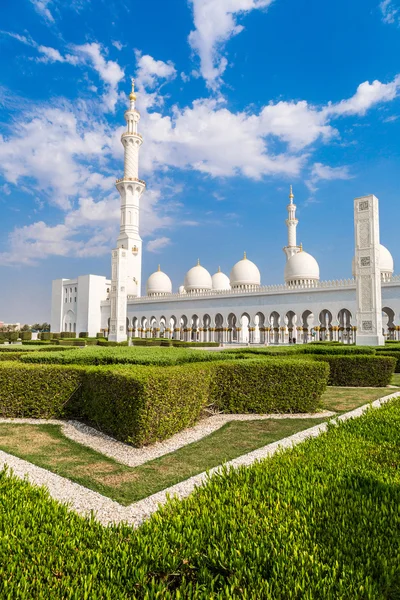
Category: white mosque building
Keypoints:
(234, 309)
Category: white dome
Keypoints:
(301, 267)
(198, 279)
(158, 284)
(385, 262)
(220, 281)
(182, 289)
(245, 274)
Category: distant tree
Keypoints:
(41, 327)
(26, 328)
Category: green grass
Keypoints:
(344, 399)
(46, 446)
(320, 521)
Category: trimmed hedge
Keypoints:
(273, 386)
(394, 354)
(305, 349)
(142, 405)
(359, 371)
(39, 391)
(121, 355)
(25, 336)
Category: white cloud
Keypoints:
(50, 146)
(296, 123)
(118, 45)
(215, 23)
(390, 13)
(321, 172)
(366, 96)
(21, 38)
(41, 8)
(108, 70)
(53, 55)
(157, 244)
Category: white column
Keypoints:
(367, 272)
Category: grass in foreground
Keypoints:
(47, 447)
(318, 521)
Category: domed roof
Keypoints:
(198, 278)
(158, 283)
(301, 266)
(220, 281)
(245, 273)
(385, 261)
(181, 289)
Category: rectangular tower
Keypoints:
(118, 295)
(367, 272)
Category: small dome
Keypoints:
(245, 274)
(301, 267)
(220, 281)
(385, 262)
(181, 289)
(158, 284)
(198, 279)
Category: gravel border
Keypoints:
(106, 511)
(133, 457)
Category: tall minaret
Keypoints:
(126, 262)
(291, 224)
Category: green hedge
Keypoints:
(359, 371)
(142, 405)
(319, 521)
(37, 343)
(124, 355)
(273, 386)
(64, 335)
(39, 391)
(394, 354)
(25, 336)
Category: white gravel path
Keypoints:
(106, 511)
(133, 457)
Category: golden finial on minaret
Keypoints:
(244, 255)
(291, 195)
(132, 95)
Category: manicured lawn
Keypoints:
(47, 447)
(343, 399)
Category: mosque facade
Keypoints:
(212, 308)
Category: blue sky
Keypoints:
(239, 99)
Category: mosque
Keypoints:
(234, 309)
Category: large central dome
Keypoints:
(245, 275)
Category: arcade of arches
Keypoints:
(260, 328)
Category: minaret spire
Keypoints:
(126, 264)
(291, 224)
